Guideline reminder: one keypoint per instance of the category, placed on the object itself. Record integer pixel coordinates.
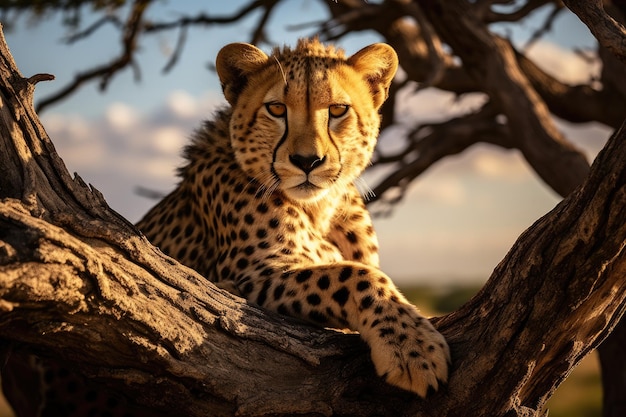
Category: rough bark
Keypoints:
(73, 273)
(609, 32)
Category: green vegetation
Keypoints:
(581, 394)
(433, 300)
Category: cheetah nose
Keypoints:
(307, 163)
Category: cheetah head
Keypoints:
(305, 120)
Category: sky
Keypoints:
(458, 220)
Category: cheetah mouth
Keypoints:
(306, 191)
(307, 186)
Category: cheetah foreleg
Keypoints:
(406, 349)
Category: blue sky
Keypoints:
(459, 219)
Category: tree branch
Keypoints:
(203, 19)
(566, 101)
(178, 49)
(428, 144)
(435, 52)
(489, 16)
(491, 61)
(91, 29)
(580, 103)
(609, 32)
(547, 25)
(130, 34)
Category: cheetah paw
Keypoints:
(415, 361)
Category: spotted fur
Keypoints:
(267, 206)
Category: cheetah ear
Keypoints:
(377, 63)
(234, 63)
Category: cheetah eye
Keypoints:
(338, 110)
(276, 109)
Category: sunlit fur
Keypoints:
(308, 80)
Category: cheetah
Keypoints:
(267, 205)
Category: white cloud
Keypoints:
(563, 64)
(121, 117)
(589, 137)
(182, 104)
(508, 166)
(160, 171)
(122, 149)
(74, 127)
(448, 192)
(169, 140)
(432, 105)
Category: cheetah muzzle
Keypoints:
(267, 205)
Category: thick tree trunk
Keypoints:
(73, 273)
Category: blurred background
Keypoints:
(453, 182)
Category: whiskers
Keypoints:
(267, 186)
(364, 189)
